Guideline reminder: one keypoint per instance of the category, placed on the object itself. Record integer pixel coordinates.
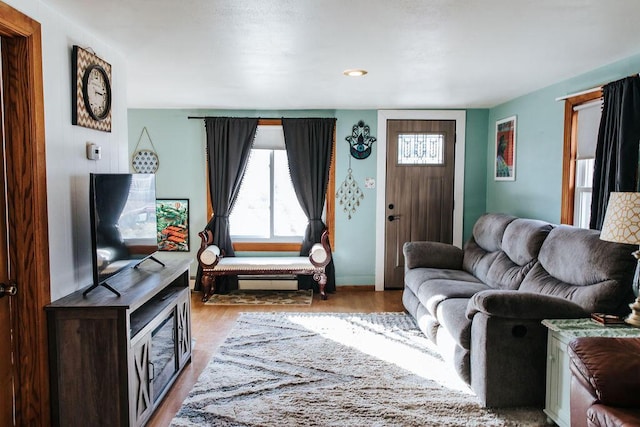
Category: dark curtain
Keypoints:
(616, 161)
(229, 142)
(111, 192)
(309, 144)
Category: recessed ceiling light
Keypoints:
(354, 72)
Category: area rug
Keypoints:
(326, 369)
(259, 297)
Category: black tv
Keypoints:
(122, 209)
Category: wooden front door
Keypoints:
(419, 189)
(24, 239)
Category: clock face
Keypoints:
(96, 92)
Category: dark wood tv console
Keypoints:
(113, 358)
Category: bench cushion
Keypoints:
(263, 264)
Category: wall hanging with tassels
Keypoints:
(349, 194)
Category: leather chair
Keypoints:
(605, 381)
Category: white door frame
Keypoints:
(460, 117)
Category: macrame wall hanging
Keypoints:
(349, 194)
(145, 160)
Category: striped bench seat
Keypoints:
(214, 263)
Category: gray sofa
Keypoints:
(483, 305)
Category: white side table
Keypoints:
(561, 332)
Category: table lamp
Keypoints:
(622, 224)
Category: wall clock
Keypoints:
(92, 90)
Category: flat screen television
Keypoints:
(122, 208)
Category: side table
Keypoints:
(560, 333)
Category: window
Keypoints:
(249, 244)
(286, 244)
(267, 207)
(582, 121)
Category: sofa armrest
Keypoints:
(432, 255)
(522, 305)
(609, 367)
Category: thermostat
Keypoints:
(94, 151)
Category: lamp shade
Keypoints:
(622, 219)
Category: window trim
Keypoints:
(570, 150)
(247, 246)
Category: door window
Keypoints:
(420, 149)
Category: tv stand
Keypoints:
(95, 285)
(112, 360)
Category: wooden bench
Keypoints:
(214, 263)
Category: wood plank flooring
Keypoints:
(211, 325)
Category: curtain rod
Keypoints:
(259, 118)
(584, 92)
(261, 121)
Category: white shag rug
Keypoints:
(335, 369)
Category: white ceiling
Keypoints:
(290, 54)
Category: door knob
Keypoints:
(9, 290)
(393, 217)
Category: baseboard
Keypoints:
(350, 288)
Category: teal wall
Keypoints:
(536, 192)
(475, 169)
(180, 144)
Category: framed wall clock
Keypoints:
(91, 83)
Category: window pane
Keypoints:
(583, 189)
(421, 149)
(582, 213)
(289, 219)
(584, 172)
(251, 216)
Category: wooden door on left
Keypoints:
(24, 236)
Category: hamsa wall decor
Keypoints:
(360, 141)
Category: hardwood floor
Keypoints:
(211, 324)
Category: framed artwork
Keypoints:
(505, 166)
(173, 224)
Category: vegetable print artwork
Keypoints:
(173, 224)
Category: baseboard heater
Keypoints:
(268, 282)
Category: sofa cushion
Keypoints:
(414, 278)
(485, 243)
(451, 315)
(505, 274)
(506, 266)
(576, 265)
(433, 292)
(488, 230)
(523, 238)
